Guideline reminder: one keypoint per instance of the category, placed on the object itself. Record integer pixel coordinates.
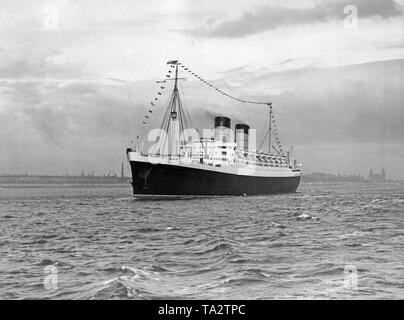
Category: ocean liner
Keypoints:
(184, 162)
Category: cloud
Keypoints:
(50, 121)
(88, 125)
(234, 69)
(36, 62)
(265, 18)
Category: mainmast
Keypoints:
(176, 76)
(270, 127)
(175, 95)
(175, 125)
(175, 122)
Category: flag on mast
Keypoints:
(172, 62)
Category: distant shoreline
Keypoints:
(16, 179)
(127, 184)
(62, 185)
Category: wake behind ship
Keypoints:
(184, 162)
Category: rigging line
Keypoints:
(166, 121)
(191, 124)
(163, 140)
(187, 117)
(276, 133)
(142, 134)
(226, 94)
(187, 114)
(263, 140)
(151, 108)
(277, 151)
(182, 120)
(143, 130)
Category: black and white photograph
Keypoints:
(216, 152)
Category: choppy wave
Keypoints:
(104, 245)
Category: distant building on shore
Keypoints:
(373, 177)
(83, 178)
(327, 177)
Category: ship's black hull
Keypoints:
(171, 180)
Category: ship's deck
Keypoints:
(238, 167)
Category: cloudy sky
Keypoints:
(335, 81)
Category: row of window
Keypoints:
(263, 164)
